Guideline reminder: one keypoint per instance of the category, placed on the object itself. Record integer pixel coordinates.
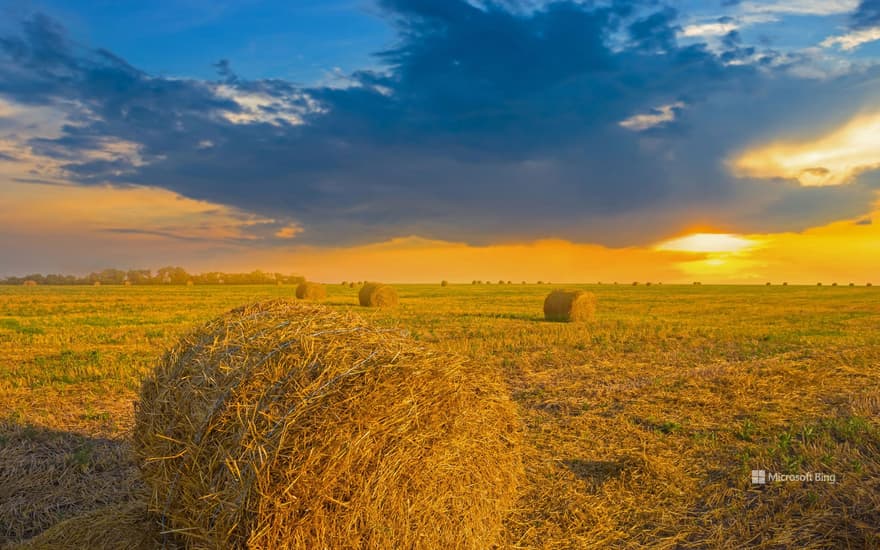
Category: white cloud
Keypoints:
(852, 40)
(801, 7)
(266, 108)
(703, 30)
(660, 115)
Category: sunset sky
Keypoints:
(412, 140)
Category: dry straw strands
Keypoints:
(123, 526)
(311, 291)
(291, 425)
(569, 305)
(377, 295)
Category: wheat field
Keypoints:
(642, 426)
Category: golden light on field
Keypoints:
(707, 242)
(833, 159)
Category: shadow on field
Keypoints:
(596, 471)
(47, 476)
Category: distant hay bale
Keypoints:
(785, 284)
(96, 283)
(128, 526)
(377, 295)
(510, 282)
(833, 284)
(697, 283)
(540, 282)
(648, 283)
(852, 284)
(635, 283)
(350, 285)
(444, 283)
(768, 283)
(869, 284)
(311, 291)
(569, 305)
(126, 283)
(284, 424)
(190, 283)
(30, 282)
(818, 284)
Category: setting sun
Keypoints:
(707, 242)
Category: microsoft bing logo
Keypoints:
(759, 477)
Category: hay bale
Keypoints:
(285, 424)
(126, 283)
(30, 282)
(444, 283)
(377, 295)
(311, 291)
(128, 526)
(96, 283)
(350, 285)
(569, 305)
(869, 284)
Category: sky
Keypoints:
(416, 140)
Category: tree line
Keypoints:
(167, 275)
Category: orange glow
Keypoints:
(70, 229)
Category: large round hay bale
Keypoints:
(127, 526)
(311, 291)
(291, 425)
(30, 282)
(444, 282)
(569, 305)
(377, 295)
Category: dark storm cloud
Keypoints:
(867, 14)
(484, 125)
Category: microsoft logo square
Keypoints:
(759, 477)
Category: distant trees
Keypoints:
(169, 275)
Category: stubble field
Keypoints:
(642, 427)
